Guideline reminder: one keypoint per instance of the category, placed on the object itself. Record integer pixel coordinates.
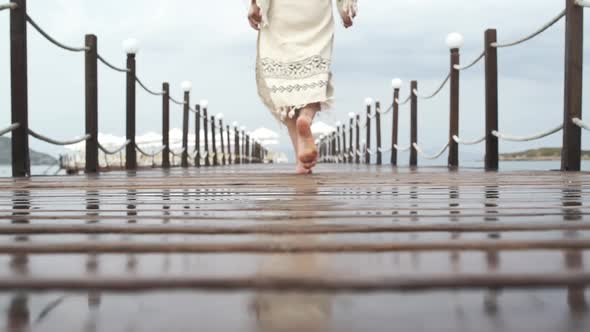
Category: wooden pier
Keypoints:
(255, 248)
(248, 246)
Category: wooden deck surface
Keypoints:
(254, 248)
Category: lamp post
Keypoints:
(204, 104)
(243, 147)
(131, 48)
(219, 117)
(454, 41)
(368, 102)
(186, 86)
(237, 150)
(396, 84)
(338, 145)
(350, 157)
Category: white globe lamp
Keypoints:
(455, 40)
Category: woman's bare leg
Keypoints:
(307, 151)
(292, 126)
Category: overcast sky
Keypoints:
(211, 44)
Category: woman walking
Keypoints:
(293, 66)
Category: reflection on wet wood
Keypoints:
(286, 247)
(293, 242)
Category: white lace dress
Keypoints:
(293, 66)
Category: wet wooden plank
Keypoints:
(351, 234)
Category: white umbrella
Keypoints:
(320, 128)
(265, 136)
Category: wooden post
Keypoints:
(229, 159)
(368, 136)
(257, 152)
(198, 135)
(130, 152)
(237, 149)
(206, 136)
(166, 125)
(491, 72)
(248, 156)
(338, 143)
(243, 147)
(574, 59)
(334, 147)
(357, 157)
(394, 127)
(222, 142)
(19, 89)
(344, 151)
(413, 124)
(91, 96)
(185, 119)
(351, 142)
(453, 161)
(378, 131)
(213, 142)
(330, 149)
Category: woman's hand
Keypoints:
(346, 20)
(348, 15)
(254, 16)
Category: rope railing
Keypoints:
(9, 129)
(21, 166)
(56, 142)
(405, 100)
(52, 40)
(195, 112)
(108, 64)
(430, 157)
(384, 150)
(465, 142)
(534, 34)
(117, 150)
(331, 144)
(176, 101)
(577, 121)
(402, 149)
(10, 5)
(386, 111)
(512, 138)
(436, 92)
(177, 154)
(147, 89)
(151, 155)
(471, 64)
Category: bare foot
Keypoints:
(300, 170)
(307, 150)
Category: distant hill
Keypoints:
(37, 158)
(539, 154)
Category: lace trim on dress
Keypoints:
(295, 70)
(298, 87)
